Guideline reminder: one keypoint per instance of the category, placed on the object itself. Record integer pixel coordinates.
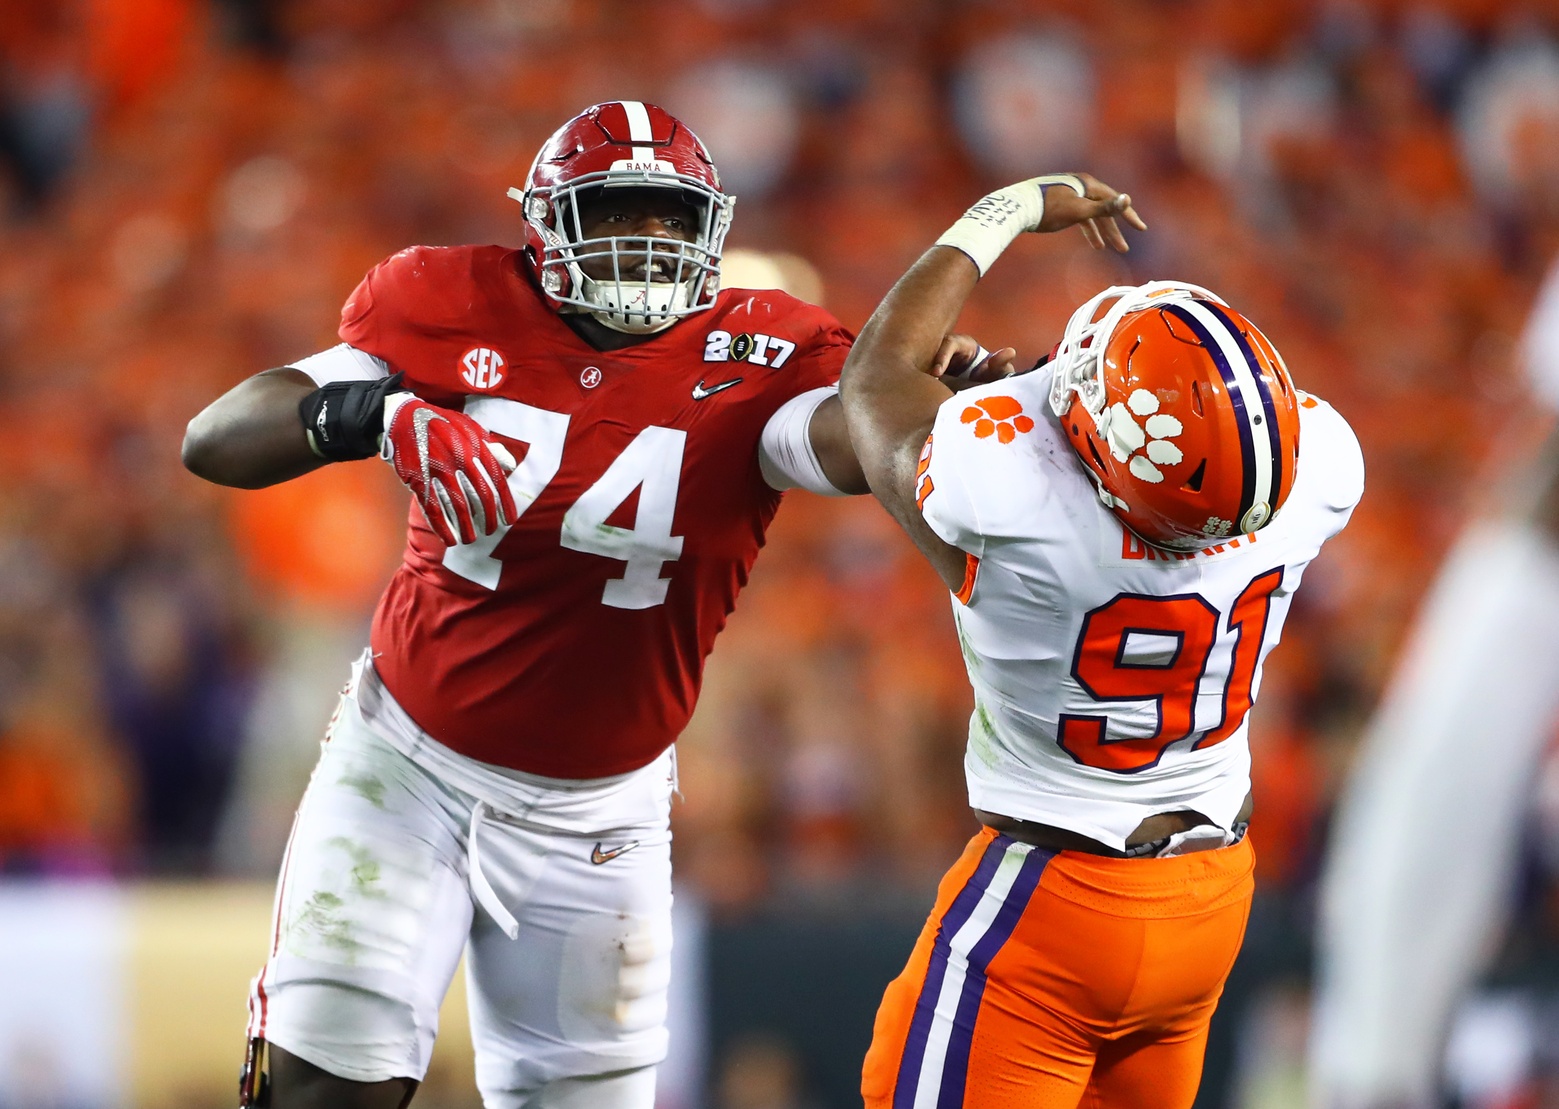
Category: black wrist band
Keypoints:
(344, 420)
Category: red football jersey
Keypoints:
(573, 644)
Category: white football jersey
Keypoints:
(1112, 679)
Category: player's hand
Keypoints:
(961, 362)
(451, 466)
(1095, 213)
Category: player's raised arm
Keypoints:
(889, 395)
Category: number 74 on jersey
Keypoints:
(652, 463)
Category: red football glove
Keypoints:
(451, 466)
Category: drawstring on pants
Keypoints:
(486, 896)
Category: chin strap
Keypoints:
(604, 317)
(254, 1080)
(620, 313)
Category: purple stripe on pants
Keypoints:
(957, 915)
(955, 1069)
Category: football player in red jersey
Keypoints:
(593, 474)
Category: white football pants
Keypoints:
(561, 889)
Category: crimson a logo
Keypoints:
(483, 368)
(590, 377)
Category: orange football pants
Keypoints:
(1051, 980)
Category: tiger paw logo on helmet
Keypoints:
(999, 416)
(1118, 423)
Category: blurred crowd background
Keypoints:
(190, 188)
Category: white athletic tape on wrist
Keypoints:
(994, 221)
(980, 355)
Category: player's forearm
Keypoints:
(251, 436)
(889, 398)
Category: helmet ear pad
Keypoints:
(1185, 447)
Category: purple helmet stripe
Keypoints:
(1263, 388)
(1231, 387)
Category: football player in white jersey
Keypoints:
(1123, 532)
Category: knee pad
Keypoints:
(629, 1089)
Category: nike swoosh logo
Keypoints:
(420, 419)
(598, 856)
(699, 392)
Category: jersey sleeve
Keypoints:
(405, 305)
(372, 317)
(821, 358)
(808, 376)
(942, 492)
(1338, 462)
(985, 476)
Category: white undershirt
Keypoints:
(785, 453)
(342, 362)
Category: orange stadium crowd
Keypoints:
(190, 190)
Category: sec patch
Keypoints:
(482, 368)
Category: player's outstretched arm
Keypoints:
(890, 399)
(277, 425)
(251, 437)
(889, 395)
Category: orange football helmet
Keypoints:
(1182, 411)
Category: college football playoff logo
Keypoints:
(759, 350)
